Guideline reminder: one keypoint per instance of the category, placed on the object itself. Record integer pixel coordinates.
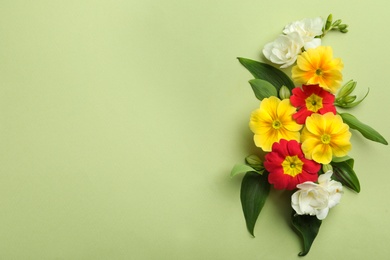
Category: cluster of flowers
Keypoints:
(303, 131)
(299, 128)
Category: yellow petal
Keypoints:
(322, 153)
(265, 141)
(270, 106)
(308, 146)
(288, 135)
(340, 149)
(316, 124)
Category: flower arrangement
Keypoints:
(305, 140)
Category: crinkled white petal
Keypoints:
(307, 30)
(284, 50)
(317, 199)
(312, 44)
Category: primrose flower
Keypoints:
(317, 66)
(288, 167)
(325, 136)
(272, 122)
(311, 99)
(316, 199)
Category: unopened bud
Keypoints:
(284, 92)
(254, 161)
(327, 167)
(347, 89)
(336, 23)
(344, 30)
(342, 27)
(328, 22)
(349, 99)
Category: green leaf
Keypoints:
(344, 173)
(307, 227)
(268, 73)
(263, 89)
(241, 168)
(367, 131)
(254, 191)
(342, 159)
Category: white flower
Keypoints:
(317, 199)
(307, 29)
(284, 50)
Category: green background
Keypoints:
(121, 120)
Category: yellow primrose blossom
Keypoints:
(325, 136)
(317, 66)
(273, 121)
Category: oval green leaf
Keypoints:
(268, 73)
(263, 89)
(367, 131)
(240, 168)
(307, 227)
(254, 192)
(344, 173)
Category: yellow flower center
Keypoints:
(276, 124)
(318, 72)
(314, 103)
(325, 138)
(292, 165)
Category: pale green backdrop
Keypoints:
(121, 120)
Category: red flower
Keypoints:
(288, 167)
(311, 99)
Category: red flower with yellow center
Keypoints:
(288, 167)
(311, 99)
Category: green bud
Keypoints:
(328, 22)
(344, 30)
(327, 167)
(347, 89)
(342, 27)
(336, 23)
(349, 99)
(255, 162)
(284, 92)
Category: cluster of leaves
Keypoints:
(268, 81)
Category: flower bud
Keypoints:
(349, 99)
(342, 27)
(254, 161)
(328, 22)
(344, 30)
(327, 167)
(336, 23)
(284, 92)
(347, 89)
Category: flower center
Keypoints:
(318, 72)
(325, 138)
(292, 165)
(276, 124)
(314, 103)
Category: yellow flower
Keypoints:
(317, 66)
(325, 136)
(273, 121)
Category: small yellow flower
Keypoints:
(317, 66)
(325, 136)
(273, 121)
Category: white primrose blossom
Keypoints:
(284, 50)
(296, 35)
(316, 199)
